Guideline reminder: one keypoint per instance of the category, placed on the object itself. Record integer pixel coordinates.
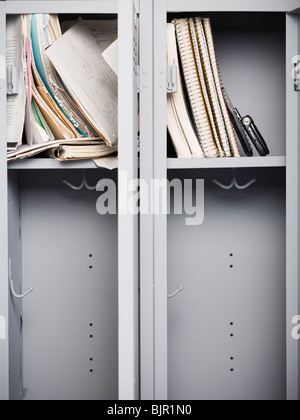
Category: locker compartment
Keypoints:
(67, 328)
(226, 329)
(251, 54)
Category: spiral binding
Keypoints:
(204, 87)
(210, 80)
(219, 84)
(200, 115)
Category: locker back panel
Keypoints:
(70, 322)
(226, 330)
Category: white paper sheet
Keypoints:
(15, 103)
(79, 62)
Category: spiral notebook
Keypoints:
(203, 85)
(179, 123)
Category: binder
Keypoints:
(210, 80)
(204, 90)
(179, 123)
(195, 95)
(217, 79)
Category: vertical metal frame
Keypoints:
(128, 223)
(292, 186)
(146, 220)
(4, 292)
(160, 220)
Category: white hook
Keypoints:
(244, 187)
(234, 183)
(224, 187)
(83, 184)
(12, 289)
(180, 289)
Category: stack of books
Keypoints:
(200, 117)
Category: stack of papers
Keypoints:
(67, 94)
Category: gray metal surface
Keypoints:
(160, 220)
(243, 162)
(232, 270)
(70, 322)
(146, 220)
(57, 6)
(4, 345)
(44, 163)
(128, 234)
(250, 50)
(292, 226)
(15, 305)
(233, 5)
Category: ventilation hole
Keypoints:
(91, 359)
(231, 370)
(231, 358)
(231, 323)
(231, 255)
(231, 335)
(231, 266)
(91, 325)
(91, 255)
(91, 370)
(91, 267)
(91, 336)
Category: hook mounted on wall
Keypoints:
(84, 184)
(180, 289)
(12, 289)
(234, 183)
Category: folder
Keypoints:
(94, 86)
(47, 81)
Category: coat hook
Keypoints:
(12, 289)
(234, 183)
(83, 184)
(180, 289)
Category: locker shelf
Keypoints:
(246, 162)
(50, 164)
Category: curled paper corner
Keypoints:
(2, 68)
(2, 328)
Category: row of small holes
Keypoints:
(231, 335)
(91, 336)
(231, 266)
